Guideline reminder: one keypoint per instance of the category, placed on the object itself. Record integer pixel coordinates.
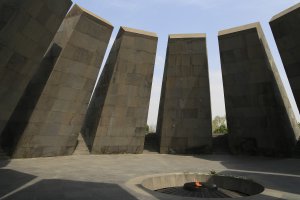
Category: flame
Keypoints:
(198, 183)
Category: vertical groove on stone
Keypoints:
(118, 111)
(259, 115)
(184, 122)
(97, 102)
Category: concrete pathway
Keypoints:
(106, 177)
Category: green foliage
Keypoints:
(219, 125)
(147, 129)
(222, 129)
(299, 124)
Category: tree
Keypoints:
(219, 125)
(221, 130)
(147, 129)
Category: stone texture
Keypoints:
(107, 177)
(117, 114)
(286, 30)
(27, 27)
(54, 125)
(19, 119)
(184, 122)
(259, 115)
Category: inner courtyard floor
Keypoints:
(108, 177)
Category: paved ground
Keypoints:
(106, 177)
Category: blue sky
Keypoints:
(191, 16)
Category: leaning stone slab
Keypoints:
(259, 115)
(27, 27)
(117, 116)
(19, 119)
(286, 31)
(54, 125)
(184, 122)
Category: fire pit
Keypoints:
(200, 187)
(208, 186)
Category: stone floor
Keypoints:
(109, 177)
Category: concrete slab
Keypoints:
(259, 115)
(53, 127)
(117, 116)
(115, 176)
(286, 30)
(184, 121)
(26, 31)
(23, 111)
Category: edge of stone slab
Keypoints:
(286, 11)
(239, 28)
(76, 10)
(138, 32)
(190, 35)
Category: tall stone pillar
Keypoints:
(286, 30)
(259, 115)
(53, 127)
(117, 116)
(184, 122)
(23, 111)
(27, 27)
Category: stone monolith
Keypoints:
(184, 122)
(259, 115)
(286, 31)
(54, 125)
(117, 116)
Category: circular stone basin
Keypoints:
(204, 186)
(215, 186)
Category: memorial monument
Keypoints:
(286, 30)
(117, 117)
(55, 121)
(259, 115)
(184, 122)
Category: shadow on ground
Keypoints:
(57, 189)
(256, 163)
(285, 183)
(11, 180)
(4, 162)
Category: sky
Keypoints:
(166, 17)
